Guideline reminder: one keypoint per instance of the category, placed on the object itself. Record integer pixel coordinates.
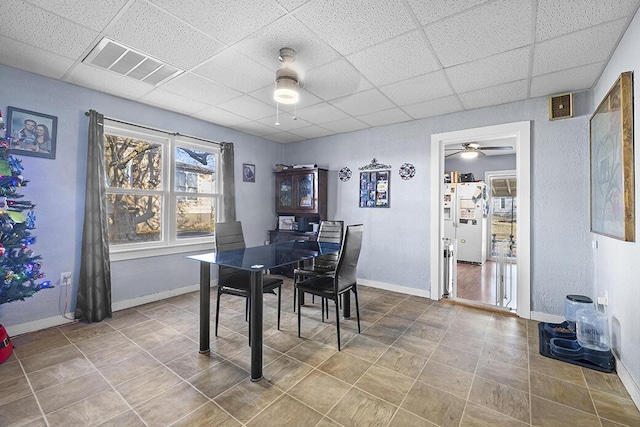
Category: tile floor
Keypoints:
(416, 363)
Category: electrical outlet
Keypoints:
(66, 279)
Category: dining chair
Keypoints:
(323, 265)
(231, 281)
(344, 279)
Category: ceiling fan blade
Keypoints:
(499, 147)
(453, 154)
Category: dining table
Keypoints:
(256, 260)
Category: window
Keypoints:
(162, 191)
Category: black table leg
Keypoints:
(205, 311)
(256, 325)
(346, 305)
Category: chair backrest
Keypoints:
(330, 232)
(229, 236)
(349, 254)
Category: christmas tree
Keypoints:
(19, 267)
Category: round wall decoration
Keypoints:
(407, 171)
(344, 174)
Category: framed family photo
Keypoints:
(612, 174)
(32, 133)
(248, 172)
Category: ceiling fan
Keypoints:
(472, 150)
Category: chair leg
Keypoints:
(249, 316)
(217, 310)
(355, 294)
(246, 310)
(298, 302)
(279, 304)
(295, 295)
(337, 319)
(322, 301)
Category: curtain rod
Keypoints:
(86, 113)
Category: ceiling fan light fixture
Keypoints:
(287, 87)
(469, 154)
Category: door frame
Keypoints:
(487, 176)
(521, 131)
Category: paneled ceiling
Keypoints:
(363, 63)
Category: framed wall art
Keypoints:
(32, 134)
(374, 189)
(248, 172)
(612, 174)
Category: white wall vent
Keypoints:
(124, 60)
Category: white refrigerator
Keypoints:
(465, 212)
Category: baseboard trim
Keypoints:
(36, 325)
(545, 317)
(146, 299)
(395, 288)
(627, 380)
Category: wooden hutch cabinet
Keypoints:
(302, 192)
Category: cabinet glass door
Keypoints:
(305, 192)
(285, 193)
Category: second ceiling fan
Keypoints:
(470, 150)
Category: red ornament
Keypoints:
(2, 250)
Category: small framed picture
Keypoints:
(31, 133)
(248, 172)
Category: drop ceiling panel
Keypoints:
(417, 89)
(435, 107)
(345, 125)
(312, 132)
(501, 94)
(575, 79)
(200, 89)
(173, 102)
(386, 117)
(286, 120)
(335, 80)
(434, 10)
(484, 31)
(556, 18)
(403, 57)
(36, 27)
(291, 4)
(365, 102)
(219, 116)
(264, 46)
(352, 25)
(96, 16)
(237, 71)
(575, 49)
(255, 128)
(177, 43)
(492, 71)
(248, 107)
(321, 113)
(282, 137)
(23, 56)
(107, 82)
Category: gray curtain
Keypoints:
(94, 285)
(228, 184)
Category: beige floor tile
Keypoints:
(365, 348)
(563, 392)
(171, 405)
(286, 412)
(385, 384)
(467, 344)
(408, 310)
(129, 368)
(207, 415)
(433, 404)
(556, 368)
(59, 373)
(429, 332)
(50, 358)
(326, 422)
(10, 369)
(403, 418)
(448, 379)
(91, 411)
(243, 357)
(92, 331)
(320, 391)
(70, 392)
(380, 333)
(506, 354)
(111, 341)
(345, 367)
(140, 329)
(13, 389)
(469, 328)
(218, 379)
(193, 363)
(615, 408)
(113, 355)
(248, 398)
(21, 411)
(608, 383)
(455, 358)
(419, 346)
(312, 353)
(506, 400)
(402, 362)
(547, 413)
(47, 343)
(358, 408)
(126, 318)
(504, 373)
(285, 371)
(282, 341)
(146, 386)
(126, 419)
(479, 416)
(398, 324)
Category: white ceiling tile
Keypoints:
(265, 95)
(492, 71)
(573, 80)
(264, 46)
(334, 80)
(365, 102)
(286, 120)
(107, 81)
(291, 4)
(417, 89)
(95, 16)
(248, 107)
(171, 101)
(386, 117)
(215, 19)
(235, 70)
(556, 18)
(434, 107)
(321, 113)
(178, 44)
(222, 117)
(502, 94)
(200, 89)
(345, 125)
(400, 58)
(433, 10)
(36, 27)
(351, 25)
(255, 128)
(575, 49)
(25, 57)
(312, 132)
(484, 31)
(283, 137)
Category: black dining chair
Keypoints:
(231, 281)
(323, 265)
(344, 279)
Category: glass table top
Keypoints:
(268, 256)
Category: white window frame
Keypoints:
(169, 243)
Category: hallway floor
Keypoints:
(416, 363)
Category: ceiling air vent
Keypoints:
(123, 60)
(561, 106)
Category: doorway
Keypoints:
(520, 131)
